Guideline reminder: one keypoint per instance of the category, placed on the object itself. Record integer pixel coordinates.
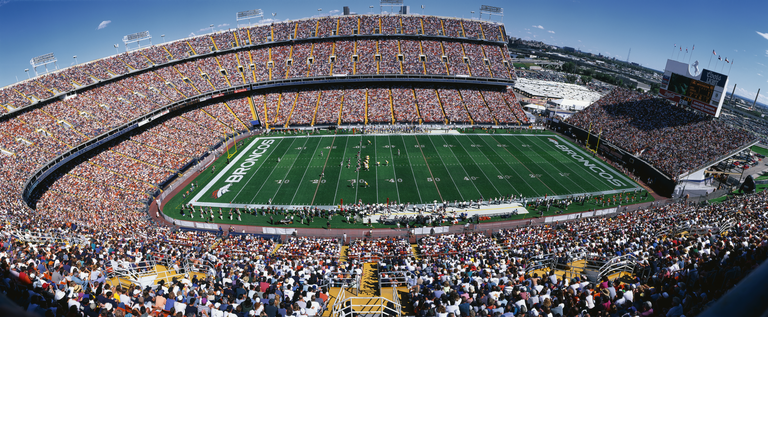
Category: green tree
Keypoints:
(569, 67)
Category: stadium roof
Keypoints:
(557, 90)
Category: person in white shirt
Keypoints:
(311, 310)
(258, 307)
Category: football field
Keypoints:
(295, 171)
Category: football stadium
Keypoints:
(373, 165)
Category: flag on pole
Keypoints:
(713, 52)
(686, 50)
(693, 47)
(726, 60)
(681, 48)
(719, 58)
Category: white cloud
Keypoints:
(103, 24)
(4, 2)
(551, 31)
(765, 35)
(539, 27)
(335, 11)
(192, 34)
(740, 91)
(267, 21)
(224, 25)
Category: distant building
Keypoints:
(405, 10)
(569, 49)
(346, 10)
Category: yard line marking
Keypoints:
(305, 171)
(508, 165)
(338, 179)
(245, 185)
(449, 172)
(430, 173)
(287, 147)
(376, 168)
(473, 161)
(303, 147)
(397, 188)
(489, 163)
(526, 167)
(543, 161)
(324, 165)
(569, 165)
(415, 183)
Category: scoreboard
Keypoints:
(684, 84)
(690, 87)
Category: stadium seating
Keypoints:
(353, 108)
(379, 106)
(329, 107)
(453, 106)
(404, 105)
(429, 105)
(670, 138)
(105, 197)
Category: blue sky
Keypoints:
(90, 28)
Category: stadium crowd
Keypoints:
(676, 275)
(671, 138)
(99, 205)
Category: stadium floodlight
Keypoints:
(75, 57)
(116, 48)
(43, 60)
(391, 4)
(136, 38)
(253, 13)
(163, 36)
(248, 15)
(27, 71)
(491, 10)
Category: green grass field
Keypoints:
(415, 168)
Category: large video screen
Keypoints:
(691, 88)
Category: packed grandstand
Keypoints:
(70, 231)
